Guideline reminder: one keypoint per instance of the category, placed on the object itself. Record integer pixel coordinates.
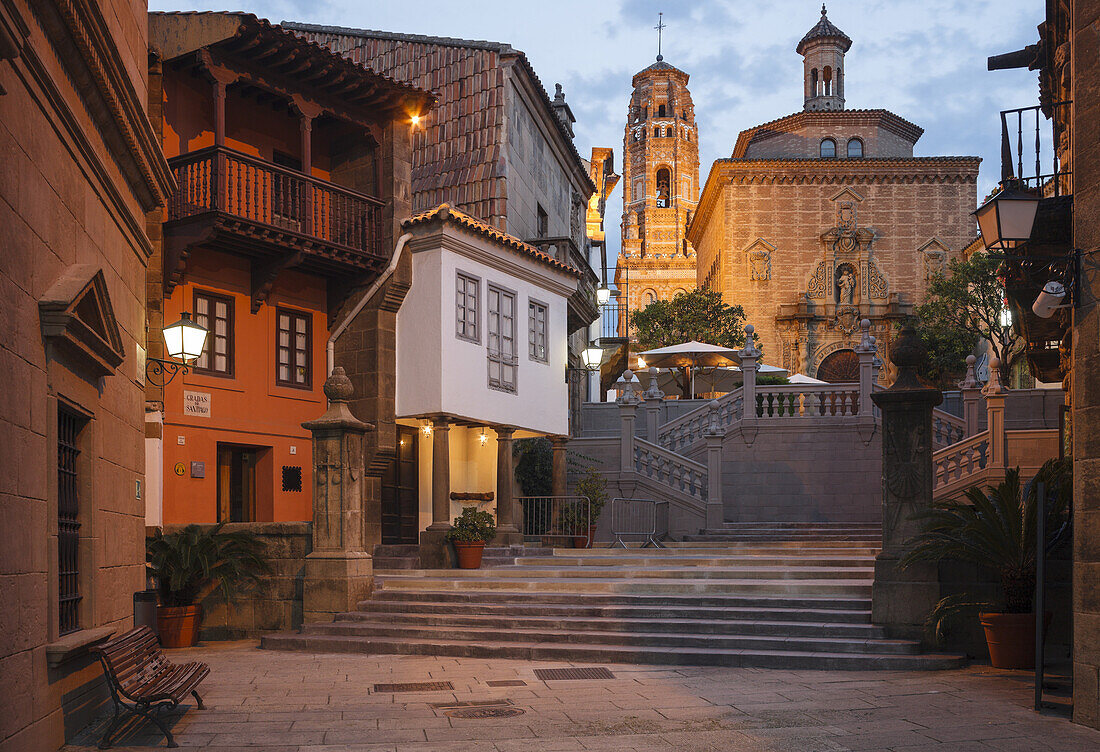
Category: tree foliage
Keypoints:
(963, 305)
(699, 315)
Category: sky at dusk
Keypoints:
(924, 60)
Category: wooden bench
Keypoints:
(138, 673)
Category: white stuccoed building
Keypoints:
(481, 360)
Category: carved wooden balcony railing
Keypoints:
(280, 205)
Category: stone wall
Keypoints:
(274, 605)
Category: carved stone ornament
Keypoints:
(760, 265)
(819, 282)
(877, 286)
(935, 262)
(847, 319)
(904, 457)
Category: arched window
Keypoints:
(657, 132)
(827, 80)
(828, 148)
(635, 135)
(668, 132)
(660, 110)
(687, 135)
(679, 291)
(649, 297)
(664, 188)
(813, 82)
(855, 148)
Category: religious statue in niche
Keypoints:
(846, 284)
(760, 265)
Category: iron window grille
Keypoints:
(69, 425)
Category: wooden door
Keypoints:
(236, 484)
(401, 491)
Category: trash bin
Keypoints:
(145, 609)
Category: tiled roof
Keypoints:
(471, 97)
(894, 123)
(447, 213)
(660, 65)
(825, 29)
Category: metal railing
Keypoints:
(643, 519)
(220, 179)
(557, 518)
(1058, 181)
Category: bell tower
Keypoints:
(822, 51)
(660, 186)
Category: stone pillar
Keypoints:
(338, 572)
(995, 416)
(509, 517)
(901, 600)
(865, 351)
(653, 398)
(716, 511)
(628, 405)
(434, 549)
(971, 395)
(749, 357)
(560, 444)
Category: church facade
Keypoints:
(825, 217)
(660, 188)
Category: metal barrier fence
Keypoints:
(640, 518)
(557, 518)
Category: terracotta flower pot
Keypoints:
(178, 626)
(469, 553)
(580, 541)
(1011, 639)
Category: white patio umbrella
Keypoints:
(798, 378)
(690, 355)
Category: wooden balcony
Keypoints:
(280, 218)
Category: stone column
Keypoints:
(434, 549)
(628, 406)
(716, 511)
(901, 600)
(865, 351)
(971, 395)
(749, 356)
(560, 445)
(653, 398)
(338, 571)
(995, 416)
(509, 518)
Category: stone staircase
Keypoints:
(862, 533)
(794, 603)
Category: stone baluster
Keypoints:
(901, 600)
(653, 399)
(749, 357)
(971, 394)
(713, 436)
(994, 393)
(338, 571)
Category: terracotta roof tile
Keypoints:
(447, 213)
(825, 29)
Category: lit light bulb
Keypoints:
(415, 120)
(427, 429)
(483, 438)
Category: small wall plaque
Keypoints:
(196, 404)
(180, 469)
(198, 469)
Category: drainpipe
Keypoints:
(331, 347)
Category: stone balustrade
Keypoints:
(681, 434)
(670, 469)
(807, 401)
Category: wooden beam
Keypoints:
(264, 274)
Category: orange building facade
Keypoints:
(277, 147)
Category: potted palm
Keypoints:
(994, 528)
(191, 564)
(471, 531)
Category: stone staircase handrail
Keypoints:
(961, 464)
(670, 469)
(947, 429)
(681, 433)
(807, 400)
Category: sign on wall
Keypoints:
(196, 404)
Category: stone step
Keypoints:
(589, 653)
(633, 625)
(846, 644)
(723, 536)
(763, 602)
(803, 525)
(653, 586)
(696, 560)
(704, 543)
(740, 572)
(741, 609)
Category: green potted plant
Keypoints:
(593, 486)
(471, 531)
(191, 564)
(994, 528)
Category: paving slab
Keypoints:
(305, 702)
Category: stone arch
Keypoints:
(839, 366)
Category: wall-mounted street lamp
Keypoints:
(592, 356)
(184, 342)
(603, 294)
(1006, 219)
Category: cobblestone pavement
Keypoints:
(302, 702)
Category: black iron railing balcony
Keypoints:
(217, 179)
(1030, 156)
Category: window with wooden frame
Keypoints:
(215, 313)
(537, 315)
(503, 362)
(467, 310)
(292, 348)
